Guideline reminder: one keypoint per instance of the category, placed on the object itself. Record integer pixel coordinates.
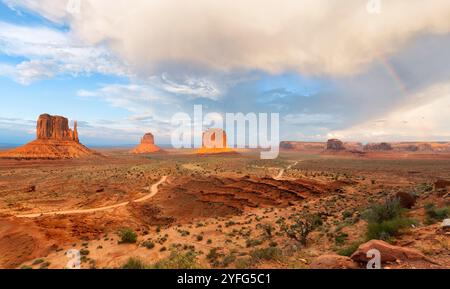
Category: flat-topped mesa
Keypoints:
(335, 145)
(214, 138)
(214, 141)
(147, 145)
(55, 128)
(378, 147)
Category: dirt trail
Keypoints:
(153, 192)
(279, 177)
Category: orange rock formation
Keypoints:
(54, 140)
(147, 145)
(214, 141)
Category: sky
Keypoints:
(331, 69)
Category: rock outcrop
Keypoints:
(407, 200)
(378, 147)
(54, 140)
(55, 128)
(335, 145)
(214, 141)
(334, 262)
(147, 145)
(389, 253)
(302, 146)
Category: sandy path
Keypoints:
(279, 177)
(153, 192)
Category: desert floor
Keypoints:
(210, 211)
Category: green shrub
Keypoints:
(253, 243)
(340, 238)
(134, 263)
(386, 220)
(389, 210)
(386, 230)
(149, 244)
(267, 254)
(349, 250)
(435, 214)
(127, 236)
(178, 260)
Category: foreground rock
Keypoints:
(445, 226)
(334, 262)
(54, 140)
(147, 145)
(389, 253)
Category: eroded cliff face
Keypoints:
(55, 128)
(147, 145)
(54, 140)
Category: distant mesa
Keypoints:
(147, 145)
(378, 147)
(214, 141)
(335, 145)
(54, 140)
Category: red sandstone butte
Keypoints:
(54, 140)
(214, 141)
(147, 145)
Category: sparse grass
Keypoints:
(266, 254)
(134, 263)
(127, 236)
(253, 242)
(349, 250)
(178, 260)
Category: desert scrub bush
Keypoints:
(340, 238)
(253, 242)
(268, 230)
(386, 220)
(178, 260)
(301, 227)
(266, 254)
(388, 210)
(349, 250)
(435, 214)
(149, 244)
(127, 236)
(134, 263)
(388, 229)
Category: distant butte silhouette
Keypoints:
(147, 145)
(54, 140)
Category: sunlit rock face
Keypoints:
(54, 140)
(147, 145)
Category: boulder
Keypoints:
(334, 262)
(445, 226)
(441, 184)
(335, 145)
(389, 253)
(407, 200)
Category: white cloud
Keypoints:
(51, 52)
(310, 36)
(191, 86)
(425, 118)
